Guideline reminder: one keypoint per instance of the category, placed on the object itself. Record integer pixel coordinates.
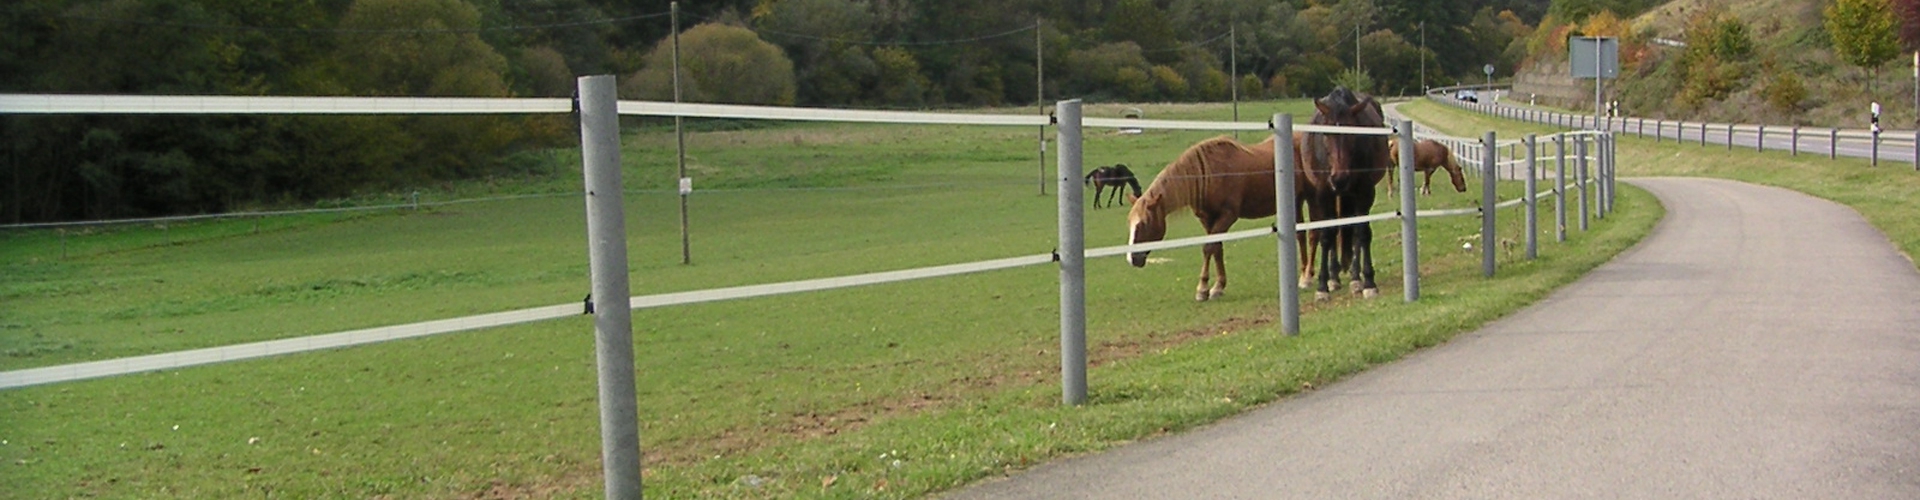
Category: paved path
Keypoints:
(1758, 344)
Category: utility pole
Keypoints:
(1233, 70)
(1039, 96)
(1423, 58)
(680, 139)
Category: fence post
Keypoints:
(1833, 143)
(1580, 177)
(1874, 150)
(1703, 134)
(1488, 198)
(1760, 138)
(1729, 137)
(1657, 133)
(1286, 220)
(1613, 172)
(1916, 149)
(1073, 256)
(1560, 188)
(1796, 141)
(1409, 217)
(607, 256)
(1602, 144)
(1533, 202)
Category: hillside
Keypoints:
(1784, 45)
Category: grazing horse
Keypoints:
(1342, 171)
(1222, 181)
(1429, 155)
(1116, 177)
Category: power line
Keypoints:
(277, 29)
(954, 41)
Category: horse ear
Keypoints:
(1321, 104)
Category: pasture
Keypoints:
(889, 391)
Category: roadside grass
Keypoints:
(889, 391)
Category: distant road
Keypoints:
(1760, 343)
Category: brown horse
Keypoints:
(1222, 181)
(1342, 172)
(1429, 155)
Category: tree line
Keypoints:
(902, 54)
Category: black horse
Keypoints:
(1116, 177)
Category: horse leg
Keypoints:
(1426, 188)
(1097, 187)
(1367, 287)
(1324, 247)
(1207, 252)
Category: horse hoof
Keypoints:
(1355, 285)
(1306, 283)
(1321, 296)
(1201, 296)
(1370, 293)
(1216, 293)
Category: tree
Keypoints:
(1863, 33)
(719, 64)
(816, 35)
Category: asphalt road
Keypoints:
(1759, 343)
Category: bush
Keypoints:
(718, 64)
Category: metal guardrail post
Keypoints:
(1873, 158)
(1073, 269)
(1796, 141)
(1533, 200)
(1488, 198)
(1833, 143)
(1409, 226)
(1286, 225)
(1760, 139)
(607, 256)
(1657, 133)
(1729, 137)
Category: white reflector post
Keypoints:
(607, 256)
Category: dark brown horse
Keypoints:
(1342, 172)
(1117, 177)
(1428, 156)
(1222, 181)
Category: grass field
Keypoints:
(890, 391)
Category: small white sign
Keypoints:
(686, 186)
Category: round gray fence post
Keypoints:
(1760, 139)
(1560, 188)
(1795, 147)
(1580, 177)
(1916, 149)
(1613, 173)
(1873, 154)
(1489, 238)
(1729, 137)
(1657, 133)
(1286, 223)
(607, 260)
(1833, 143)
(1533, 200)
(1409, 216)
(1604, 145)
(1073, 256)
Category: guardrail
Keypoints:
(1891, 145)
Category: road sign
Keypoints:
(1582, 53)
(1488, 69)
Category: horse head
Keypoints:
(1348, 155)
(1146, 222)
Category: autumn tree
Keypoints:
(718, 64)
(1863, 33)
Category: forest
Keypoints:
(880, 54)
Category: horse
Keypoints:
(1342, 171)
(1221, 181)
(1116, 177)
(1429, 155)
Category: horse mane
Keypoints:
(1183, 182)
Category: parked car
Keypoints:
(1467, 95)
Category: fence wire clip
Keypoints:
(588, 302)
(1056, 255)
(1053, 119)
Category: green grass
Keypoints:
(889, 391)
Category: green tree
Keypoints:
(1140, 22)
(816, 35)
(719, 64)
(1863, 33)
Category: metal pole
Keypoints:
(1488, 198)
(1873, 159)
(1729, 137)
(1580, 177)
(1833, 143)
(1409, 217)
(1657, 133)
(1286, 223)
(607, 256)
(1916, 150)
(1795, 148)
(1601, 145)
(1613, 172)
(1039, 99)
(1760, 138)
(1073, 269)
(1533, 200)
(1560, 187)
(680, 142)
(1233, 68)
